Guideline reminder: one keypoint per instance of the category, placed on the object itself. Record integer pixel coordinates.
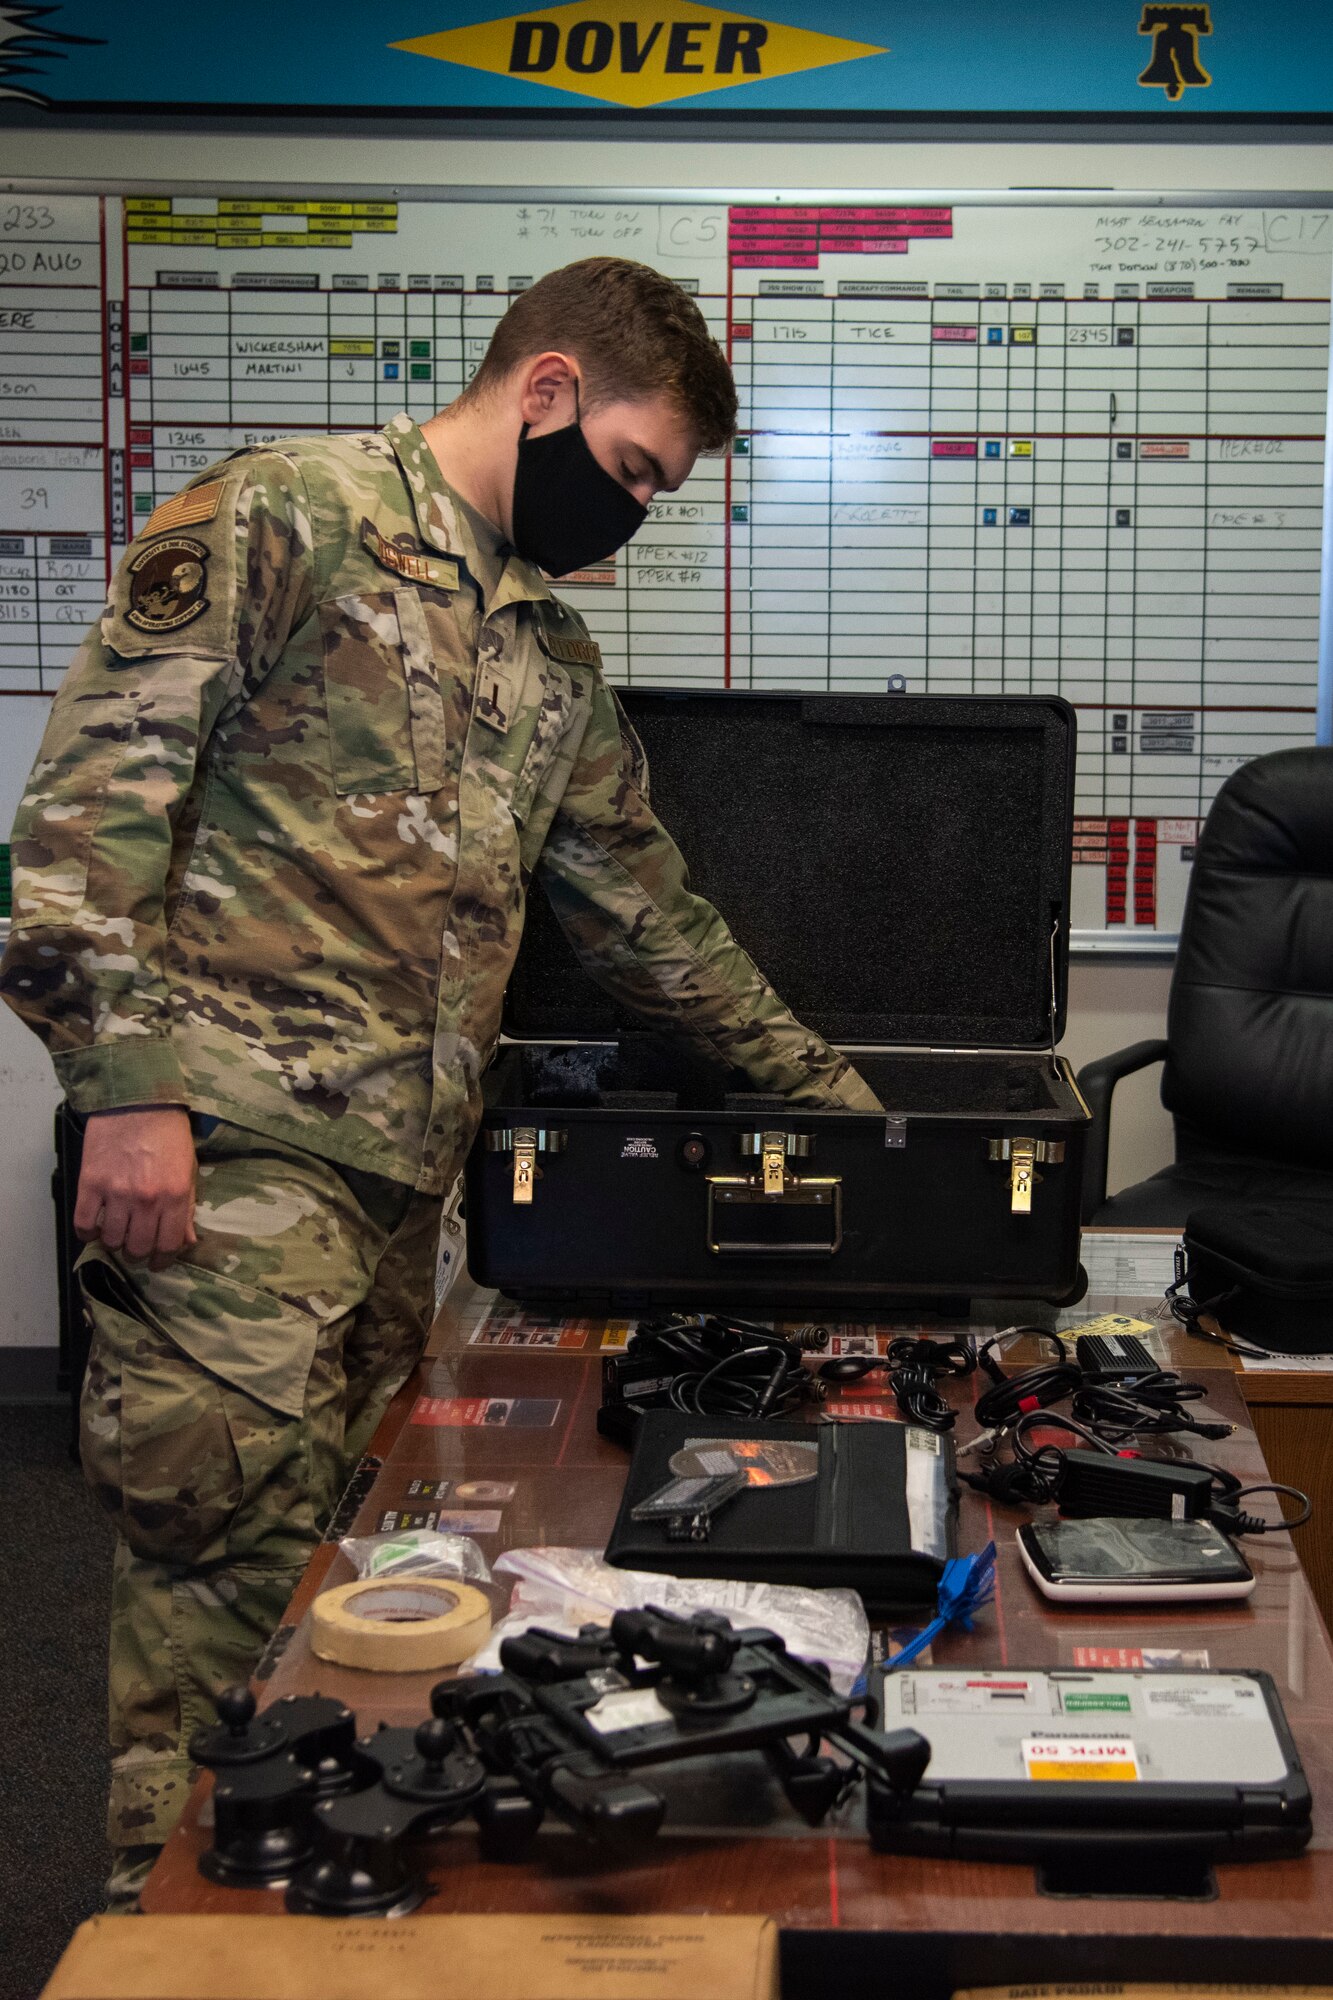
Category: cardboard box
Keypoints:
(419, 1958)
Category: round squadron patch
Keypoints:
(167, 584)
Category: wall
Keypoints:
(1111, 1003)
(100, 157)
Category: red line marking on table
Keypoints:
(997, 1600)
(574, 1409)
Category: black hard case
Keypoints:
(898, 867)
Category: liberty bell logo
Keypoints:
(1175, 65)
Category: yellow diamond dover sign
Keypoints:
(636, 52)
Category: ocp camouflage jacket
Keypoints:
(273, 857)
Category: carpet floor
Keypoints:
(55, 1559)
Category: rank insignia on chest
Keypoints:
(493, 700)
(409, 563)
(167, 584)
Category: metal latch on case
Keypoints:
(1023, 1156)
(775, 1149)
(524, 1142)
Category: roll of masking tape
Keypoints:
(407, 1626)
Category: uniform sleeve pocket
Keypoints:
(56, 822)
(366, 693)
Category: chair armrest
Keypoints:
(1097, 1081)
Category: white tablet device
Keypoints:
(1130, 1561)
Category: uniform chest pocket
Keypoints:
(555, 705)
(382, 693)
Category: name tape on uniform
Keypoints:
(570, 652)
(417, 568)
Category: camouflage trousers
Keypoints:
(228, 1398)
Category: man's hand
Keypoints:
(136, 1185)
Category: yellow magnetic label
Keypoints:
(1112, 1325)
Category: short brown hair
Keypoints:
(633, 332)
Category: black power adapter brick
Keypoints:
(1114, 1357)
(1095, 1483)
(631, 1384)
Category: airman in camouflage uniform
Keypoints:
(271, 865)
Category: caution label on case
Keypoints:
(1082, 1759)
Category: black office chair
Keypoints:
(1249, 1037)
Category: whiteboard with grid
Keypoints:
(1032, 446)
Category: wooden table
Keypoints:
(567, 1484)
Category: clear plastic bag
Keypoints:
(566, 1588)
(416, 1552)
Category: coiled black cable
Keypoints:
(1032, 1477)
(1232, 1519)
(726, 1367)
(1151, 1406)
(914, 1366)
(1013, 1396)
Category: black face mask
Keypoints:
(568, 512)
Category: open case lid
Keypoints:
(896, 865)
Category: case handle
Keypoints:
(771, 1220)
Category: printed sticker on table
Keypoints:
(853, 1343)
(487, 1412)
(422, 1490)
(512, 1326)
(837, 1338)
(399, 1520)
(485, 1492)
(1150, 1659)
(469, 1521)
(1081, 1760)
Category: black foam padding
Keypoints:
(614, 1078)
(566, 1076)
(961, 1084)
(640, 1072)
(894, 864)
